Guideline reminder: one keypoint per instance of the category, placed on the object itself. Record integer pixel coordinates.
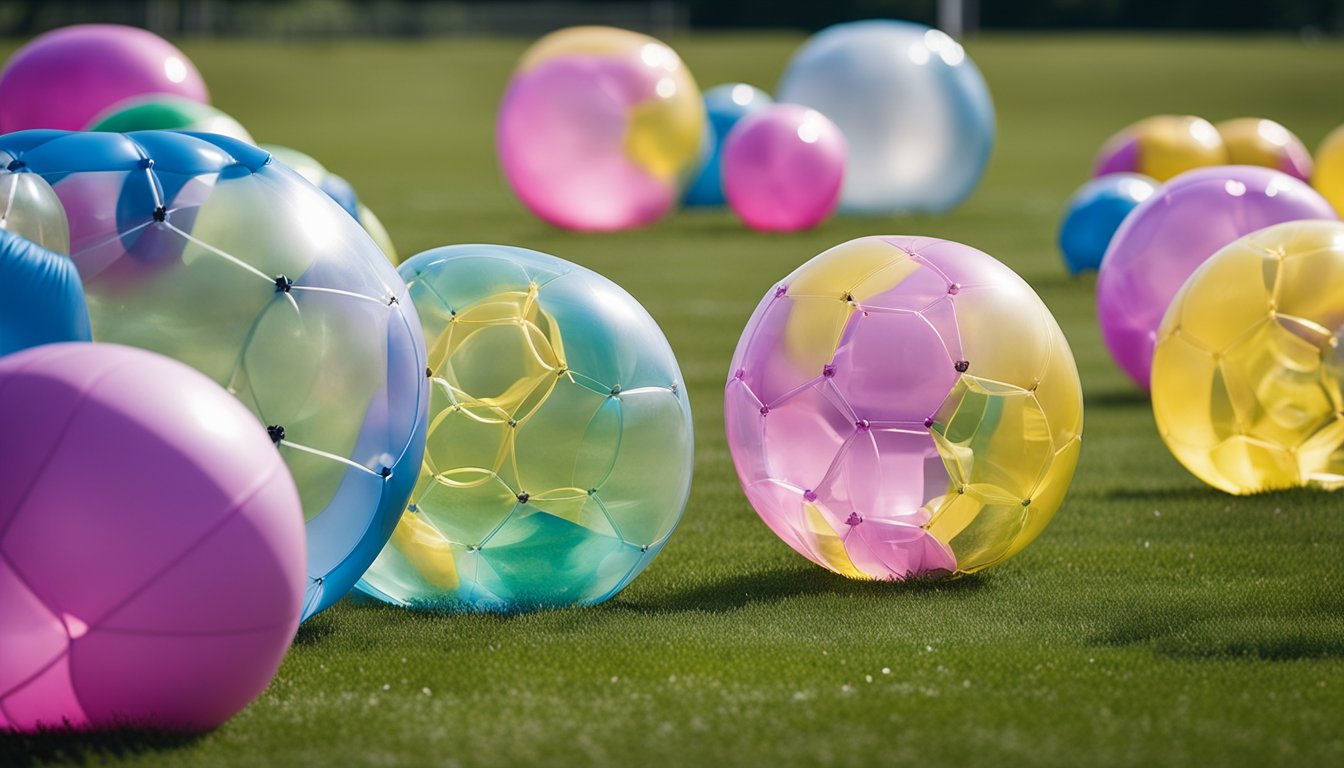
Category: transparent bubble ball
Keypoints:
(904, 407)
(202, 248)
(560, 446)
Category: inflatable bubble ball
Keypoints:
(1247, 372)
(151, 544)
(65, 77)
(1094, 214)
(725, 105)
(339, 190)
(783, 167)
(165, 112)
(1163, 240)
(915, 111)
(600, 129)
(904, 407)
(202, 248)
(41, 298)
(559, 456)
(1161, 147)
(1256, 141)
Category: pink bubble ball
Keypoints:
(1165, 239)
(151, 544)
(65, 77)
(783, 168)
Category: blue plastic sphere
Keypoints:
(915, 111)
(202, 248)
(725, 105)
(1094, 214)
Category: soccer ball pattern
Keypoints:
(559, 451)
(902, 407)
(201, 248)
(1246, 377)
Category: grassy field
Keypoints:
(1156, 621)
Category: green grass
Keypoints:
(1155, 621)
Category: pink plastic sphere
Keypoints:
(783, 167)
(151, 544)
(904, 407)
(64, 78)
(1162, 241)
(600, 129)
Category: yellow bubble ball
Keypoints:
(1246, 376)
(1256, 141)
(1329, 176)
(1162, 146)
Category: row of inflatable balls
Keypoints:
(1217, 290)
(605, 129)
(485, 428)
(1139, 158)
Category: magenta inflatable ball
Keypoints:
(783, 167)
(66, 77)
(1162, 241)
(151, 544)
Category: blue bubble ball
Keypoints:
(724, 105)
(1094, 214)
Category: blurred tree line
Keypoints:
(467, 17)
(1244, 15)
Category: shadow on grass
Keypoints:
(66, 747)
(315, 629)
(741, 590)
(1254, 630)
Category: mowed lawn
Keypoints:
(1155, 621)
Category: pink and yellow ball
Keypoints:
(600, 129)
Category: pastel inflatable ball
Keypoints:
(1165, 239)
(1256, 141)
(725, 105)
(1246, 385)
(1162, 147)
(66, 77)
(904, 407)
(915, 111)
(600, 129)
(203, 249)
(1329, 176)
(164, 112)
(153, 551)
(1094, 214)
(30, 208)
(783, 167)
(560, 446)
(337, 189)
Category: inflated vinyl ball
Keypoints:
(151, 544)
(902, 407)
(1248, 369)
(165, 112)
(600, 129)
(560, 453)
(1161, 147)
(203, 249)
(41, 298)
(1256, 141)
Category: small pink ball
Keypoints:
(151, 544)
(783, 167)
(65, 77)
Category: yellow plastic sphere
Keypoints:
(1162, 146)
(1329, 176)
(1256, 141)
(1246, 377)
